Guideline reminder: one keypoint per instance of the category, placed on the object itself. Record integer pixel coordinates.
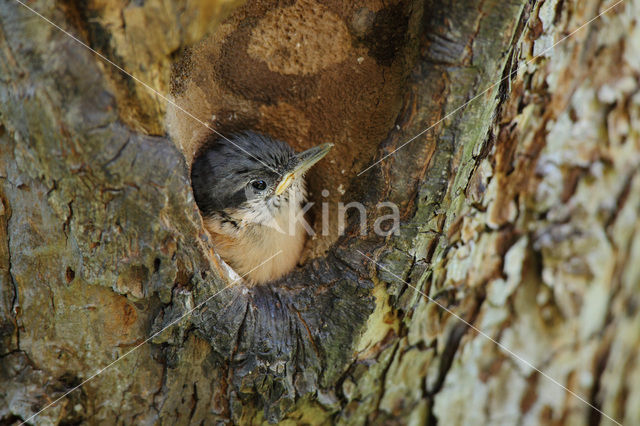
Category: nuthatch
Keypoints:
(250, 189)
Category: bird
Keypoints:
(250, 189)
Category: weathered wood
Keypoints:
(520, 213)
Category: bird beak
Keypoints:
(306, 160)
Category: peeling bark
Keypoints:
(519, 214)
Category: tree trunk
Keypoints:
(509, 295)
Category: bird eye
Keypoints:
(260, 185)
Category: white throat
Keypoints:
(263, 239)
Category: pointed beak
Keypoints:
(306, 160)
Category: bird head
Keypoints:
(248, 177)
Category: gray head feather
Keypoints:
(229, 172)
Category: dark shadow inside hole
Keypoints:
(70, 274)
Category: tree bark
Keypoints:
(509, 296)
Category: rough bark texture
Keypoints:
(520, 213)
